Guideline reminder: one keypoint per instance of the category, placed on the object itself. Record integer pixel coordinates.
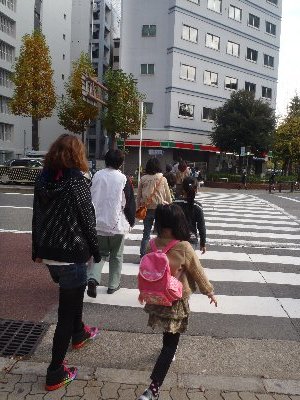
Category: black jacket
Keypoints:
(195, 218)
(63, 222)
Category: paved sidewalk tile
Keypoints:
(231, 396)
(38, 386)
(126, 394)
(194, 394)
(3, 395)
(281, 397)
(164, 395)
(212, 395)
(56, 394)
(20, 392)
(247, 396)
(264, 397)
(92, 393)
(8, 382)
(35, 397)
(110, 390)
(29, 378)
(76, 388)
(178, 394)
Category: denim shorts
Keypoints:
(69, 276)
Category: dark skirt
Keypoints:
(169, 319)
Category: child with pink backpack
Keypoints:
(169, 274)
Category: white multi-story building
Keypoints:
(17, 18)
(188, 56)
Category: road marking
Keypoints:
(13, 231)
(229, 305)
(228, 275)
(250, 226)
(288, 198)
(250, 221)
(21, 194)
(25, 208)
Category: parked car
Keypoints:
(24, 162)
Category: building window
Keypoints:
(7, 25)
(215, 5)
(116, 44)
(210, 78)
(6, 132)
(149, 30)
(233, 49)
(4, 101)
(250, 87)
(64, 36)
(63, 77)
(5, 78)
(254, 21)
(252, 55)
(116, 59)
(147, 69)
(268, 61)
(186, 110)
(7, 52)
(207, 114)
(212, 41)
(64, 56)
(266, 92)
(148, 108)
(270, 28)
(11, 4)
(231, 83)
(189, 33)
(187, 72)
(273, 2)
(195, 1)
(235, 13)
(65, 16)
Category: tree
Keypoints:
(244, 121)
(122, 115)
(287, 137)
(74, 113)
(34, 92)
(294, 107)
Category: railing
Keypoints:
(288, 185)
(19, 175)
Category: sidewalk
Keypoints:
(26, 380)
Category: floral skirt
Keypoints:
(169, 319)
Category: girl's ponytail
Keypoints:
(189, 185)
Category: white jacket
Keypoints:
(109, 201)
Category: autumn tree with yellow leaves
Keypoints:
(34, 92)
(74, 112)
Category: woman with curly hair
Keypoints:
(64, 238)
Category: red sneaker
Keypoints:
(60, 377)
(89, 333)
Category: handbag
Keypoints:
(141, 212)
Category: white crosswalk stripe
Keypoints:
(249, 225)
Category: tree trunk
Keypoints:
(35, 134)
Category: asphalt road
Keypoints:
(27, 292)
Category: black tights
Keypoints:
(69, 323)
(161, 368)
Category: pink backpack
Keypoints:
(155, 282)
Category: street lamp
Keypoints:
(141, 138)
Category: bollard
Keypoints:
(280, 185)
(292, 187)
(270, 188)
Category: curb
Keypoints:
(183, 381)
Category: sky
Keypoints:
(289, 59)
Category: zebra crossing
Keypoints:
(252, 260)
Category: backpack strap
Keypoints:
(170, 245)
(153, 245)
